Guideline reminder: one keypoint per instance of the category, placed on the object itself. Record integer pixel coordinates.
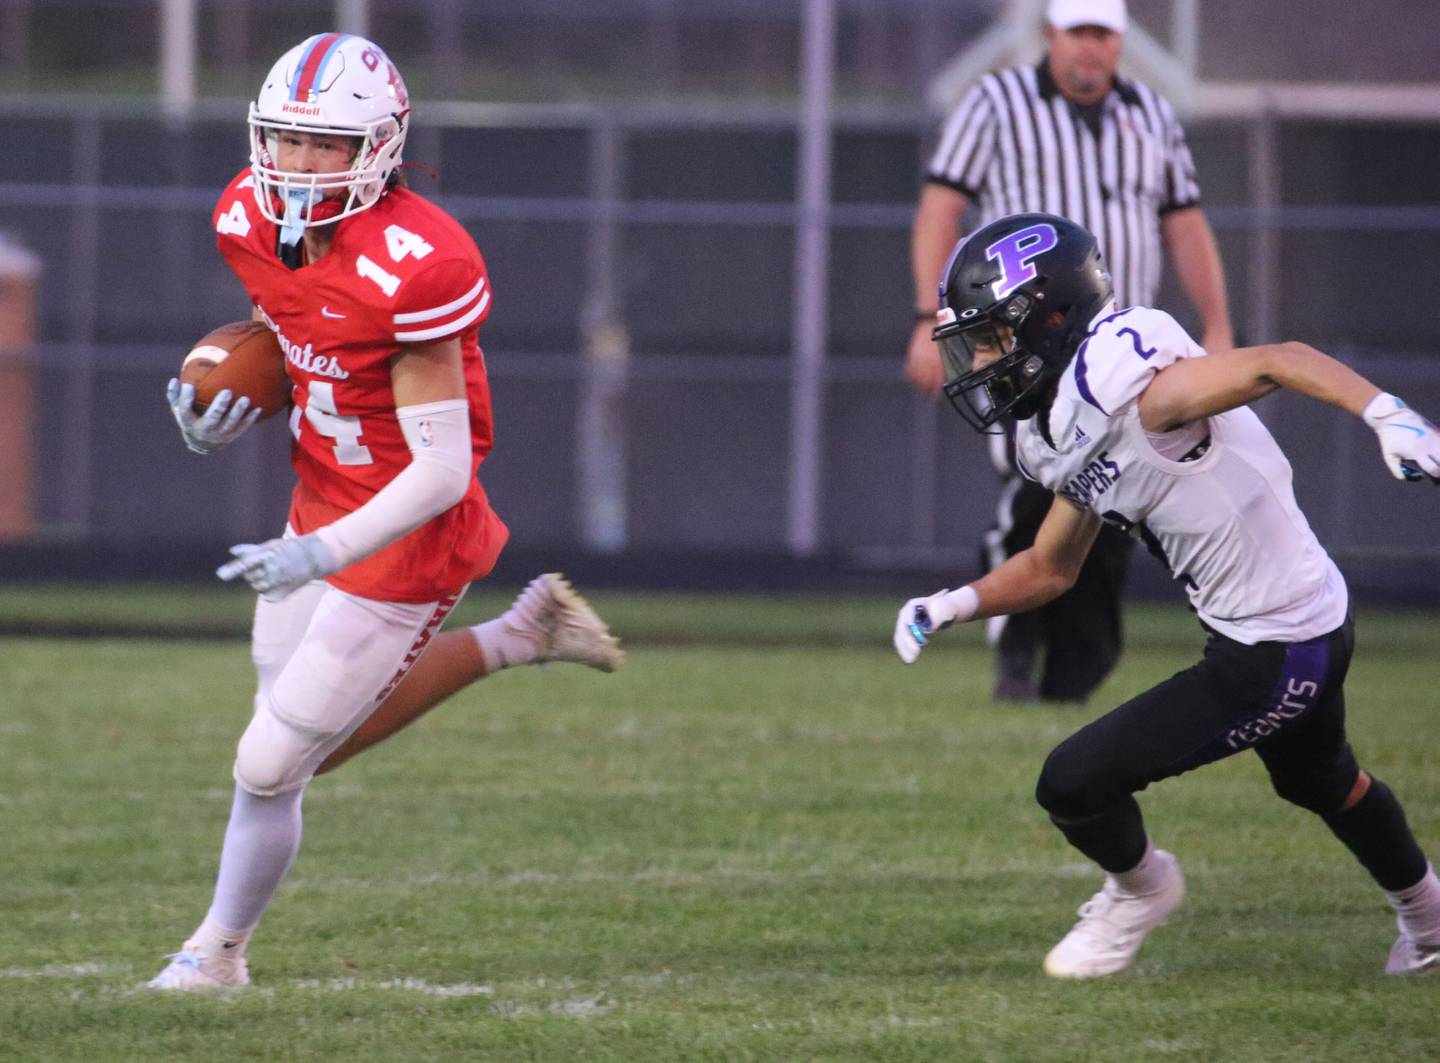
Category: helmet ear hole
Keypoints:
(385, 130)
(1014, 309)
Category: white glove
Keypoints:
(281, 566)
(1410, 443)
(220, 424)
(918, 618)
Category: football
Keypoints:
(243, 356)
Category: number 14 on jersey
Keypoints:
(401, 243)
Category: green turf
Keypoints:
(725, 851)
(642, 618)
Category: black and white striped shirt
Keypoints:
(1015, 143)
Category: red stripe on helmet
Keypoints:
(311, 65)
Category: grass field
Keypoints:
(763, 839)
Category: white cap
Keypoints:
(1067, 14)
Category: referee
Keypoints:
(1068, 137)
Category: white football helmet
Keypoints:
(333, 83)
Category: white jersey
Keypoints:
(1226, 523)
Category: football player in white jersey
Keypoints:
(1127, 420)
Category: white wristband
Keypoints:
(965, 602)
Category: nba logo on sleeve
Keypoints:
(1016, 253)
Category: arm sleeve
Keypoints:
(442, 301)
(439, 474)
(967, 144)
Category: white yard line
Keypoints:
(412, 985)
(67, 970)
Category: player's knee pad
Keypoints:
(1070, 786)
(275, 756)
(1320, 788)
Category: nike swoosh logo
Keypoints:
(327, 312)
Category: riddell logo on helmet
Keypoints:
(306, 109)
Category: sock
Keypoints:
(521, 634)
(213, 940)
(1376, 832)
(503, 645)
(260, 844)
(1145, 877)
(1417, 909)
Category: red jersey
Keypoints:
(401, 272)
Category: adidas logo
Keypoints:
(1080, 437)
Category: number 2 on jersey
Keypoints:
(320, 411)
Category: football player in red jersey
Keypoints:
(376, 297)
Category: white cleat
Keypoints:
(564, 625)
(188, 971)
(1112, 925)
(1409, 957)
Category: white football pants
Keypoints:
(324, 659)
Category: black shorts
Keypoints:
(1285, 700)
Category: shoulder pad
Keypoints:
(1124, 351)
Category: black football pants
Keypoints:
(1286, 701)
